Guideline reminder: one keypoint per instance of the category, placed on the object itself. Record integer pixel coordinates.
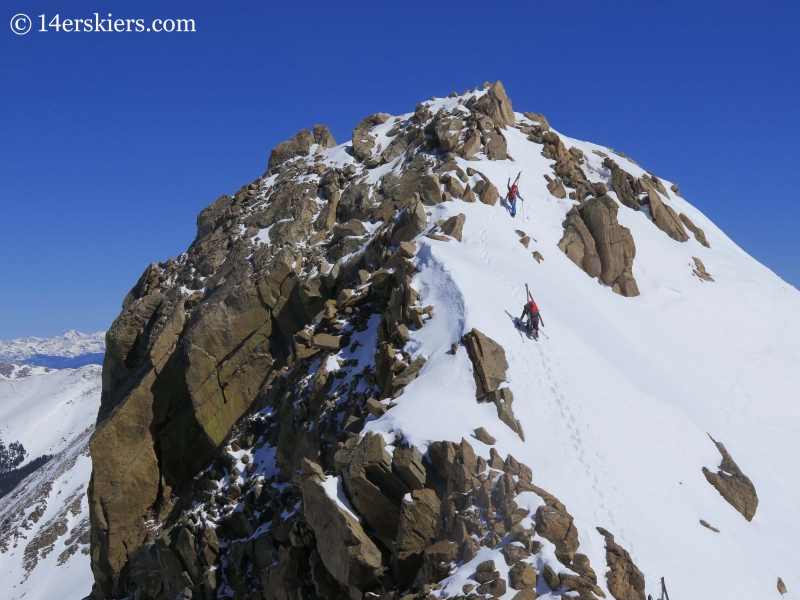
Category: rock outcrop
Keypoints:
(700, 270)
(299, 145)
(489, 369)
(664, 216)
(596, 242)
(698, 233)
(732, 484)
(625, 581)
(230, 455)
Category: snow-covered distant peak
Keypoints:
(71, 349)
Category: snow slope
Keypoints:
(70, 350)
(616, 403)
(44, 520)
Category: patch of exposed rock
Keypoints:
(489, 368)
(700, 270)
(596, 242)
(625, 581)
(698, 233)
(732, 484)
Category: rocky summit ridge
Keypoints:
(257, 436)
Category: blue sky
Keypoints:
(111, 143)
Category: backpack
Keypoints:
(512, 193)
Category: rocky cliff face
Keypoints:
(230, 456)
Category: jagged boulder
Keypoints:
(347, 552)
(614, 244)
(556, 187)
(372, 486)
(323, 137)
(732, 484)
(699, 234)
(419, 522)
(454, 226)
(578, 244)
(664, 216)
(413, 221)
(496, 146)
(488, 361)
(363, 142)
(430, 191)
(299, 145)
(497, 105)
(625, 580)
(621, 182)
(555, 524)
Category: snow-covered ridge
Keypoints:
(69, 347)
(44, 525)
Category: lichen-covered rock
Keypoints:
(732, 484)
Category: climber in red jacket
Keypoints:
(513, 194)
(534, 317)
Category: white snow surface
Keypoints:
(618, 400)
(49, 411)
(70, 344)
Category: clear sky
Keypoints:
(111, 143)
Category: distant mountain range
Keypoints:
(71, 350)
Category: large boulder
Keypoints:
(625, 580)
(497, 105)
(496, 147)
(614, 244)
(299, 145)
(555, 524)
(454, 226)
(363, 142)
(418, 527)
(488, 361)
(372, 486)
(413, 221)
(732, 484)
(621, 183)
(578, 244)
(664, 216)
(346, 550)
(323, 137)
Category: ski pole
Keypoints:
(544, 334)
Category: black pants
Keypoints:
(533, 319)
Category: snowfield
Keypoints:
(44, 521)
(618, 400)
